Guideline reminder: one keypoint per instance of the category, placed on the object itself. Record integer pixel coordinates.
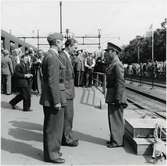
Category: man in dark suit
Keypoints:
(7, 72)
(115, 97)
(22, 79)
(68, 136)
(53, 100)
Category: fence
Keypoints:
(147, 76)
(99, 80)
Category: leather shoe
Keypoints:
(60, 154)
(113, 145)
(8, 93)
(58, 161)
(108, 142)
(13, 106)
(27, 110)
(72, 144)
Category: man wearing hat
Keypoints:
(115, 97)
(53, 100)
(7, 72)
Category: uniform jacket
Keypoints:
(115, 82)
(53, 80)
(6, 65)
(69, 76)
(19, 74)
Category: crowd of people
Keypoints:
(10, 59)
(147, 70)
(84, 64)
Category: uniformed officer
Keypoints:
(115, 97)
(53, 100)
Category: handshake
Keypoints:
(28, 75)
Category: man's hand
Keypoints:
(117, 104)
(58, 106)
(28, 75)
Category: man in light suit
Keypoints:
(68, 136)
(53, 100)
(89, 66)
(7, 72)
(115, 97)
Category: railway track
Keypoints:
(154, 97)
(147, 105)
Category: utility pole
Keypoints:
(152, 36)
(138, 56)
(67, 32)
(38, 40)
(61, 17)
(99, 36)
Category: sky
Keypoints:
(119, 21)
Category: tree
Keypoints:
(130, 52)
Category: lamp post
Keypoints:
(164, 25)
(60, 16)
(67, 32)
(38, 42)
(138, 55)
(99, 36)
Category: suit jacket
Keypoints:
(52, 82)
(6, 65)
(115, 83)
(19, 74)
(69, 76)
(82, 63)
(77, 64)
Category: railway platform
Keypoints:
(155, 92)
(21, 134)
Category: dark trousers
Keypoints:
(52, 132)
(116, 123)
(25, 95)
(68, 136)
(77, 77)
(81, 78)
(89, 75)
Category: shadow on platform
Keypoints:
(90, 138)
(26, 135)
(86, 97)
(6, 105)
(22, 148)
(27, 125)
